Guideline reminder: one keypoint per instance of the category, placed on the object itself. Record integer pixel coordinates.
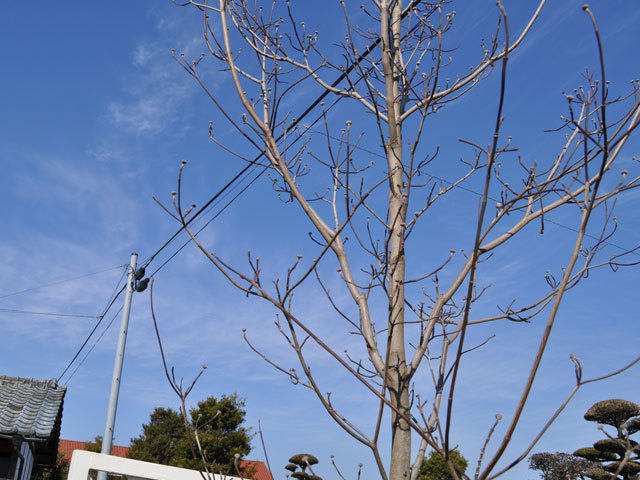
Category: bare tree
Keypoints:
(394, 64)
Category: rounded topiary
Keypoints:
(291, 467)
(594, 455)
(598, 475)
(612, 412)
(302, 459)
(301, 475)
(613, 445)
(628, 469)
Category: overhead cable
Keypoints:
(293, 125)
(114, 296)
(92, 346)
(58, 282)
(231, 182)
(29, 312)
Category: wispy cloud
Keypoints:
(82, 193)
(157, 87)
(154, 95)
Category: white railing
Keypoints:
(83, 462)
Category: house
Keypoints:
(66, 448)
(259, 470)
(30, 418)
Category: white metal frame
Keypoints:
(82, 462)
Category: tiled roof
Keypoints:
(29, 407)
(258, 470)
(66, 448)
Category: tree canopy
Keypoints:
(218, 424)
(435, 468)
(95, 446)
(614, 412)
(560, 466)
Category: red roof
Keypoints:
(259, 470)
(66, 448)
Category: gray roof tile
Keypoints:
(29, 407)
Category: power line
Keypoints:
(207, 224)
(114, 296)
(93, 346)
(9, 310)
(220, 198)
(58, 282)
(115, 290)
(231, 182)
(256, 177)
(100, 318)
(264, 169)
(293, 125)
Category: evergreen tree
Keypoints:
(560, 466)
(219, 428)
(159, 439)
(435, 468)
(95, 446)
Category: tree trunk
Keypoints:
(397, 368)
(401, 434)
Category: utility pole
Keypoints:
(107, 438)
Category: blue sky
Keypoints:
(95, 117)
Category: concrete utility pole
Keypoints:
(107, 438)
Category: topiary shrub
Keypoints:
(627, 470)
(595, 455)
(612, 412)
(613, 445)
(304, 461)
(598, 475)
(610, 452)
